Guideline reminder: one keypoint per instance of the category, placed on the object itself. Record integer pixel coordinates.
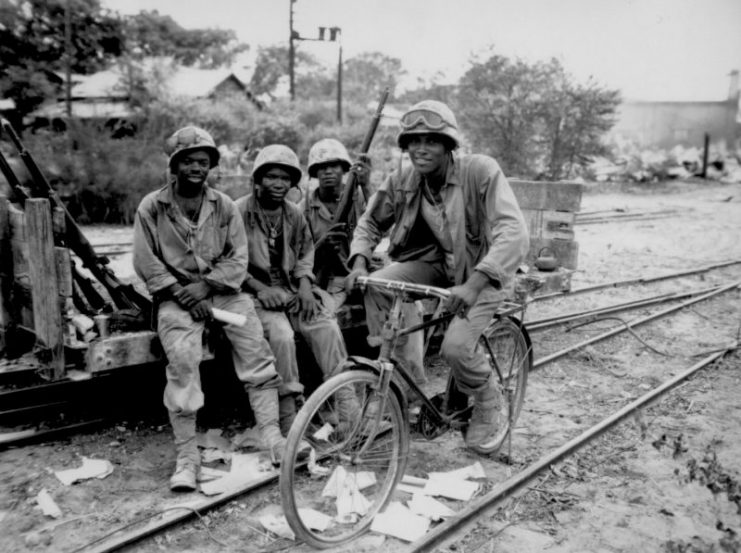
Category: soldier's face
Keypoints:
(427, 153)
(192, 168)
(275, 184)
(329, 176)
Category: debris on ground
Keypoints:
(91, 468)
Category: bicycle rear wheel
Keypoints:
(510, 357)
(357, 465)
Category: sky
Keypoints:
(673, 50)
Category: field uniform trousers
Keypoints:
(468, 362)
(181, 339)
(322, 334)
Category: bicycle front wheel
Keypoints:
(511, 359)
(358, 457)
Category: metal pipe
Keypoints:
(509, 486)
(552, 357)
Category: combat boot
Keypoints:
(264, 403)
(487, 427)
(188, 461)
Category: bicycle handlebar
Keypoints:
(401, 286)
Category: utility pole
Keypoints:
(337, 34)
(291, 51)
(68, 60)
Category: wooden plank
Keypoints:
(17, 218)
(548, 223)
(565, 251)
(558, 196)
(6, 274)
(47, 312)
(59, 225)
(127, 349)
(63, 264)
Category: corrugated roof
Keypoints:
(85, 110)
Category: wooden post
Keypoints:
(705, 151)
(6, 274)
(47, 312)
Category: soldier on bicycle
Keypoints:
(454, 222)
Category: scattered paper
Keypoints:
(246, 467)
(323, 433)
(452, 488)
(315, 469)
(429, 507)
(277, 524)
(207, 474)
(47, 504)
(212, 455)
(473, 471)
(351, 502)
(340, 479)
(314, 519)
(91, 468)
(213, 439)
(250, 438)
(400, 522)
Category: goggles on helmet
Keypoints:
(423, 117)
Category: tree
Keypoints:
(368, 73)
(532, 117)
(150, 34)
(32, 45)
(312, 78)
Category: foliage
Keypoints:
(32, 45)
(532, 117)
(367, 74)
(149, 34)
(313, 79)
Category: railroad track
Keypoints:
(504, 490)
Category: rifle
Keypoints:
(327, 259)
(124, 296)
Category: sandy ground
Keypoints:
(668, 479)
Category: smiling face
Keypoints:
(428, 153)
(274, 185)
(330, 176)
(191, 170)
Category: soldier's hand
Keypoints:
(362, 170)
(461, 298)
(273, 297)
(201, 311)
(352, 278)
(188, 296)
(307, 305)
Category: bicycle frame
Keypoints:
(391, 332)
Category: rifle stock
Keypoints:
(327, 259)
(124, 296)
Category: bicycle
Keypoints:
(357, 422)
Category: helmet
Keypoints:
(280, 155)
(428, 117)
(328, 150)
(189, 139)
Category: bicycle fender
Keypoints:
(359, 362)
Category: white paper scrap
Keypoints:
(315, 469)
(314, 519)
(47, 504)
(400, 522)
(323, 433)
(473, 471)
(429, 507)
(351, 501)
(452, 488)
(91, 468)
(277, 525)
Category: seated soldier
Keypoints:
(280, 275)
(190, 250)
(330, 164)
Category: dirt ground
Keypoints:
(667, 480)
